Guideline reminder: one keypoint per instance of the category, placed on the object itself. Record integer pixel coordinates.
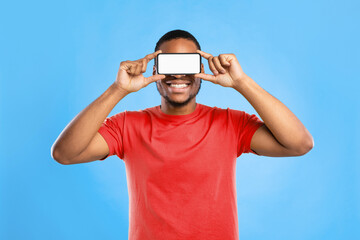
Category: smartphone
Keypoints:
(178, 63)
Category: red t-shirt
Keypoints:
(181, 170)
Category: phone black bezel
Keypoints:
(157, 62)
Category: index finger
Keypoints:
(204, 54)
(152, 55)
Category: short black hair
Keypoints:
(175, 34)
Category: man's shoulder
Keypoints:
(227, 112)
(134, 113)
(220, 110)
(140, 112)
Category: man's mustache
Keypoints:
(185, 77)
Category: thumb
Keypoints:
(207, 77)
(154, 78)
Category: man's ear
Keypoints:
(154, 69)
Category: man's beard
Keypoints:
(179, 104)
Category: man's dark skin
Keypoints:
(282, 135)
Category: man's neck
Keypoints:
(171, 110)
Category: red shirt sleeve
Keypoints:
(245, 126)
(112, 130)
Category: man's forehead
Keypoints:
(178, 46)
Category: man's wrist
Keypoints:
(241, 83)
(116, 90)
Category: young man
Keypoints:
(180, 156)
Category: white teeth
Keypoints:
(178, 85)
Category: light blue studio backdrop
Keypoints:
(56, 58)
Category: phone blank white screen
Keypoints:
(178, 63)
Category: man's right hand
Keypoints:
(130, 77)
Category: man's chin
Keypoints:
(177, 103)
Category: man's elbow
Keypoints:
(306, 146)
(56, 155)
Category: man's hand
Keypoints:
(226, 68)
(130, 77)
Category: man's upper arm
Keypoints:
(264, 143)
(96, 150)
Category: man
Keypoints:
(180, 157)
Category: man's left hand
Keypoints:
(226, 68)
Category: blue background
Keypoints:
(58, 57)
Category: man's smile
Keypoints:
(178, 86)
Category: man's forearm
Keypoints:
(283, 124)
(80, 131)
